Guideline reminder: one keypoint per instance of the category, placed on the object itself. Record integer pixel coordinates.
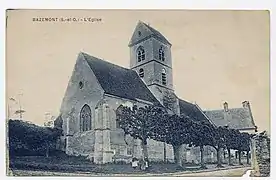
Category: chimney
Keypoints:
(225, 106)
(246, 105)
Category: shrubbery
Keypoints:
(27, 139)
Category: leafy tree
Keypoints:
(175, 130)
(202, 136)
(243, 145)
(139, 123)
(27, 138)
(217, 141)
(231, 141)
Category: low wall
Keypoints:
(262, 144)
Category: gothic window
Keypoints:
(85, 118)
(161, 54)
(141, 54)
(141, 72)
(164, 78)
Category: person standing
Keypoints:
(134, 163)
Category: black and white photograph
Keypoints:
(175, 93)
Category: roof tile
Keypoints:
(119, 81)
(191, 110)
(236, 118)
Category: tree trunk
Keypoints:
(144, 153)
(229, 157)
(218, 158)
(177, 157)
(247, 157)
(165, 153)
(201, 158)
(144, 149)
(239, 153)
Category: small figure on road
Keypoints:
(134, 163)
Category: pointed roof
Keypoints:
(238, 118)
(118, 81)
(192, 110)
(144, 31)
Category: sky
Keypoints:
(217, 56)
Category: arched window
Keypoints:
(161, 54)
(141, 72)
(85, 118)
(141, 54)
(164, 78)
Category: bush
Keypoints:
(27, 139)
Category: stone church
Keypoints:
(97, 88)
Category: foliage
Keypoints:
(28, 139)
(139, 123)
(158, 124)
(175, 130)
(169, 100)
(202, 134)
(244, 142)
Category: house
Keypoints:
(235, 118)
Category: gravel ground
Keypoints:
(233, 172)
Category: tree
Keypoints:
(231, 141)
(202, 136)
(243, 145)
(231, 137)
(217, 141)
(175, 130)
(139, 123)
(29, 139)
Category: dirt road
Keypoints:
(237, 172)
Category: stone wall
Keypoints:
(76, 96)
(83, 89)
(126, 148)
(81, 144)
(262, 155)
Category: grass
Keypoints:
(72, 164)
(80, 164)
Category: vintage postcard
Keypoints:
(138, 93)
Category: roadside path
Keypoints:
(237, 172)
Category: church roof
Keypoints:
(237, 118)
(118, 81)
(192, 110)
(144, 31)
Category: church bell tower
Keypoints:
(150, 57)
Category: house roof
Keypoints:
(192, 110)
(146, 31)
(236, 118)
(119, 81)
